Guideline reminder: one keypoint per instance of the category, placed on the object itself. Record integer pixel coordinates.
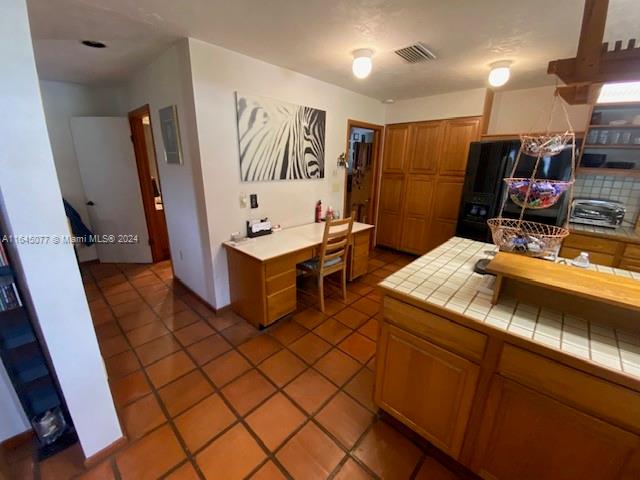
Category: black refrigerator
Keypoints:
(484, 189)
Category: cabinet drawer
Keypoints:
(361, 239)
(359, 266)
(632, 251)
(281, 282)
(286, 262)
(595, 257)
(591, 244)
(281, 303)
(632, 264)
(586, 392)
(439, 330)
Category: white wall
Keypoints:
(62, 101)
(466, 103)
(167, 81)
(30, 203)
(14, 420)
(217, 74)
(527, 110)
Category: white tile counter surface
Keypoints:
(287, 240)
(445, 277)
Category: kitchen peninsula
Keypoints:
(511, 390)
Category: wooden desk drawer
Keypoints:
(592, 244)
(359, 266)
(281, 303)
(632, 264)
(632, 251)
(595, 257)
(591, 394)
(361, 238)
(287, 262)
(439, 330)
(281, 281)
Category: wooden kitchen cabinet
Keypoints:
(426, 387)
(603, 251)
(527, 435)
(422, 176)
(458, 134)
(396, 148)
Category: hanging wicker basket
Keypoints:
(545, 145)
(536, 194)
(529, 238)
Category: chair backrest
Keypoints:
(337, 234)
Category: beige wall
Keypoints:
(527, 110)
(466, 103)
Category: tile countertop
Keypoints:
(445, 278)
(286, 240)
(624, 233)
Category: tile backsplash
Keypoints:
(625, 190)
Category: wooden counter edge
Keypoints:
(565, 358)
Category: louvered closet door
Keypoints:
(417, 213)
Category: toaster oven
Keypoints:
(601, 213)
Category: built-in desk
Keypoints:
(262, 271)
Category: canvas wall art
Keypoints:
(279, 140)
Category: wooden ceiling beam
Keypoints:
(594, 19)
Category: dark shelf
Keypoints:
(5, 271)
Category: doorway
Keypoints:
(364, 141)
(150, 187)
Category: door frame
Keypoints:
(378, 138)
(144, 175)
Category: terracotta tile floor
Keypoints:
(201, 395)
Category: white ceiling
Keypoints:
(315, 37)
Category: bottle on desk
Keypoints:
(329, 215)
(319, 211)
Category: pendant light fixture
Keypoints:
(362, 62)
(500, 73)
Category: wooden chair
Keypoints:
(333, 255)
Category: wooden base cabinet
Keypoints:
(430, 389)
(500, 405)
(612, 253)
(528, 436)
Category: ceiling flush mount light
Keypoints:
(362, 62)
(93, 44)
(499, 74)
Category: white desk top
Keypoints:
(286, 241)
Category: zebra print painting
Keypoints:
(279, 140)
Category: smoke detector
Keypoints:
(416, 53)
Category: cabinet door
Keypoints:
(390, 211)
(396, 146)
(426, 140)
(446, 206)
(417, 214)
(426, 387)
(458, 134)
(529, 436)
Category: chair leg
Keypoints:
(344, 284)
(321, 292)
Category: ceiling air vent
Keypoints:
(416, 53)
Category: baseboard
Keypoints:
(104, 453)
(17, 440)
(186, 287)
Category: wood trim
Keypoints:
(105, 452)
(144, 174)
(17, 440)
(516, 136)
(378, 139)
(486, 111)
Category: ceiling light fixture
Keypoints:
(362, 62)
(500, 73)
(93, 44)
